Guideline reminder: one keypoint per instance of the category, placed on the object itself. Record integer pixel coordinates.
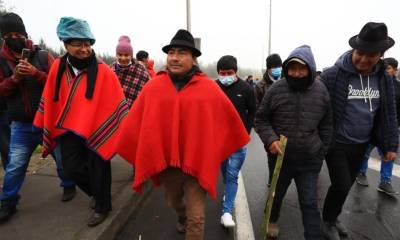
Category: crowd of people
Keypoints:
(181, 129)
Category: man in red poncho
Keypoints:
(178, 132)
(80, 110)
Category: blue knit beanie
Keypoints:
(74, 28)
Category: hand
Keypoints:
(275, 148)
(24, 68)
(390, 156)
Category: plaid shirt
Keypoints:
(132, 79)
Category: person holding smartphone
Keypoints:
(23, 73)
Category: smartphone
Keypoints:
(25, 53)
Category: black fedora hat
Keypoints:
(185, 39)
(373, 37)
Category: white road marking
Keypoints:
(244, 226)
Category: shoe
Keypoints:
(227, 220)
(342, 230)
(181, 225)
(7, 211)
(68, 194)
(273, 231)
(387, 188)
(362, 179)
(96, 219)
(330, 231)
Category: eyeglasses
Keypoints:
(80, 44)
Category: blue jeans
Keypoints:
(24, 139)
(386, 167)
(230, 172)
(4, 138)
(65, 182)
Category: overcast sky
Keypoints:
(235, 27)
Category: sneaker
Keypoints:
(330, 231)
(7, 211)
(227, 220)
(68, 194)
(273, 231)
(181, 225)
(342, 230)
(362, 179)
(387, 188)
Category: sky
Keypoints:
(234, 27)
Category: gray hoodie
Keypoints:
(363, 102)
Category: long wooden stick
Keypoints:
(271, 190)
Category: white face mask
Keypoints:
(227, 80)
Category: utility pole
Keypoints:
(270, 25)
(188, 23)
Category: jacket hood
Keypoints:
(304, 53)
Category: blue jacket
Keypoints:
(384, 132)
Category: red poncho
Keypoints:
(97, 120)
(194, 129)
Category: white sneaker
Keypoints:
(227, 221)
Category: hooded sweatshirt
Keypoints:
(363, 101)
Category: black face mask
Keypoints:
(78, 63)
(16, 44)
(298, 84)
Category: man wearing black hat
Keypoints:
(363, 103)
(22, 79)
(179, 131)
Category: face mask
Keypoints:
(227, 80)
(276, 72)
(124, 65)
(78, 63)
(298, 84)
(15, 44)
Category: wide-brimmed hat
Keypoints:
(373, 37)
(185, 39)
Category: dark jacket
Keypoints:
(242, 97)
(304, 117)
(261, 87)
(396, 85)
(384, 131)
(22, 99)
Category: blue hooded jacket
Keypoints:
(374, 119)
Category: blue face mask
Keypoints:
(227, 80)
(276, 72)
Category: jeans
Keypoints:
(65, 182)
(5, 133)
(188, 198)
(344, 162)
(230, 172)
(386, 166)
(306, 184)
(24, 140)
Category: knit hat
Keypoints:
(124, 45)
(273, 61)
(11, 22)
(73, 28)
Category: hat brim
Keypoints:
(195, 51)
(381, 46)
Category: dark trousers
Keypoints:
(271, 166)
(306, 184)
(344, 162)
(5, 133)
(89, 171)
